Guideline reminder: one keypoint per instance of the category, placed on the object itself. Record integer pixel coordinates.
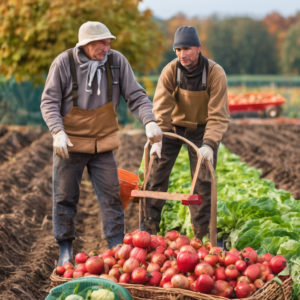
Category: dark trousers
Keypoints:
(67, 175)
(159, 181)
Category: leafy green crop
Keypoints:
(251, 211)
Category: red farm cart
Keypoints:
(266, 104)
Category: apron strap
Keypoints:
(204, 85)
(109, 63)
(204, 76)
(178, 77)
(74, 77)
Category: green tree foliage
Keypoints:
(34, 32)
(291, 51)
(242, 46)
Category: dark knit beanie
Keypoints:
(186, 36)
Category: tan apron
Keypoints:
(92, 130)
(191, 107)
(191, 110)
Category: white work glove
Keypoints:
(207, 153)
(60, 142)
(153, 132)
(156, 149)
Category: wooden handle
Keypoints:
(213, 214)
(213, 209)
(146, 157)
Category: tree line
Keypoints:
(34, 32)
(244, 45)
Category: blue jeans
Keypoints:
(67, 175)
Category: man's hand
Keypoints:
(153, 132)
(60, 142)
(207, 153)
(156, 149)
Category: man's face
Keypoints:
(188, 56)
(96, 50)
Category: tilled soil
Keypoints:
(28, 252)
(273, 148)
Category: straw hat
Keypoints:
(93, 31)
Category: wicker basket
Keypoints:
(271, 291)
(57, 280)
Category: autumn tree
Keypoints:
(34, 32)
(242, 46)
(291, 54)
(278, 26)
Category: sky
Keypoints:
(165, 9)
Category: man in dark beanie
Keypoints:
(191, 101)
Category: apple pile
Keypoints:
(174, 261)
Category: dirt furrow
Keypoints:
(26, 184)
(272, 148)
(12, 142)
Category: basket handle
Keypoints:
(213, 217)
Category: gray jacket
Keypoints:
(57, 94)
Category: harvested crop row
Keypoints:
(272, 148)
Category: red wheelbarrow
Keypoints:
(128, 182)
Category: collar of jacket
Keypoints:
(195, 72)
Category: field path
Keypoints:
(273, 148)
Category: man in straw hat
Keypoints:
(191, 101)
(79, 104)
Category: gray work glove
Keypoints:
(153, 132)
(60, 143)
(156, 149)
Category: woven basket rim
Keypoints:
(55, 277)
(269, 285)
(261, 292)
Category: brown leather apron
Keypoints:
(191, 107)
(92, 130)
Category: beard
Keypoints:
(191, 62)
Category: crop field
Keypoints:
(28, 252)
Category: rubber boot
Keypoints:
(220, 243)
(115, 240)
(65, 252)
